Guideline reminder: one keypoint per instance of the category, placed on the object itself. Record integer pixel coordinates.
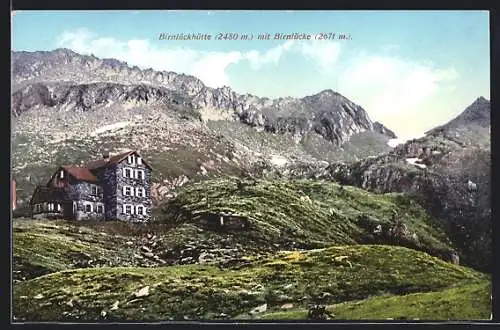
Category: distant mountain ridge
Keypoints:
(87, 81)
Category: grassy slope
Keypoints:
(468, 302)
(41, 247)
(336, 274)
(310, 213)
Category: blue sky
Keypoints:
(411, 70)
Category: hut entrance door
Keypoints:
(69, 210)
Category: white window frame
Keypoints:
(85, 204)
(50, 207)
(94, 190)
(61, 174)
(58, 207)
(124, 189)
(125, 209)
(142, 190)
(143, 212)
(131, 159)
(131, 172)
(97, 208)
(143, 175)
(139, 161)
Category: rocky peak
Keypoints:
(477, 114)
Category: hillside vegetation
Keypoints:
(468, 302)
(332, 275)
(305, 242)
(308, 213)
(282, 214)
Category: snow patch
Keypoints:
(400, 140)
(111, 127)
(395, 142)
(278, 160)
(413, 161)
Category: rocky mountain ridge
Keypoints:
(84, 82)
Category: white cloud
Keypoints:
(325, 54)
(272, 55)
(209, 66)
(393, 90)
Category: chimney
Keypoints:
(14, 195)
(105, 155)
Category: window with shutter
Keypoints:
(128, 191)
(128, 209)
(140, 192)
